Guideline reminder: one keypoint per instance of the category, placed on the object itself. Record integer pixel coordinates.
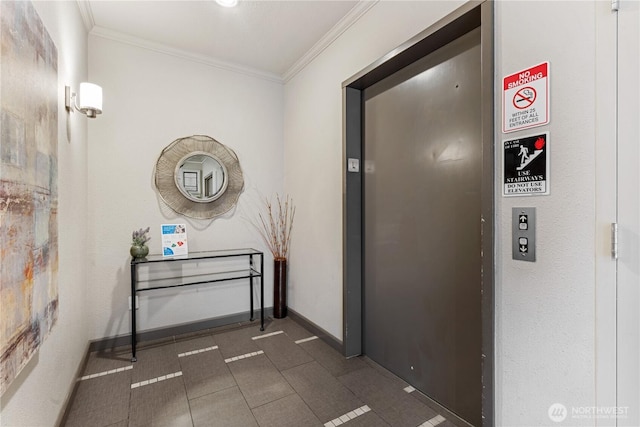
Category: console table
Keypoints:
(251, 272)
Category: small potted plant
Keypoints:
(139, 239)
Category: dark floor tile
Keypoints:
(450, 416)
(102, 417)
(226, 408)
(386, 398)
(101, 401)
(323, 393)
(205, 373)
(154, 362)
(370, 419)
(333, 361)
(106, 360)
(283, 352)
(395, 381)
(290, 327)
(259, 381)
(371, 387)
(289, 411)
(160, 404)
(191, 343)
(232, 394)
(236, 342)
(406, 412)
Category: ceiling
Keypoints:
(274, 38)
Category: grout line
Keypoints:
(307, 339)
(409, 389)
(243, 356)
(100, 374)
(267, 335)
(202, 350)
(348, 416)
(156, 380)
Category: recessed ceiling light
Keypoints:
(227, 3)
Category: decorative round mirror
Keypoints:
(199, 177)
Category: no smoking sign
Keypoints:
(525, 98)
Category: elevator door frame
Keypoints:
(468, 17)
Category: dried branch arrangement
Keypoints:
(275, 226)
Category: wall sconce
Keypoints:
(88, 101)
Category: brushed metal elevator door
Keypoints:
(422, 207)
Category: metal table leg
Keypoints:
(133, 311)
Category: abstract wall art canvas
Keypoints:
(28, 186)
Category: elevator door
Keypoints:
(422, 242)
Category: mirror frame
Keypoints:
(169, 162)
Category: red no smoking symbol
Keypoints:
(524, 98)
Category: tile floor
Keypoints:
(240, 376)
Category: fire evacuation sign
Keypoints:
(525, 98)
(526, 165)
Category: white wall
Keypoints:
(545, 311)
(150, 99)
(313, 151)
(37, 395)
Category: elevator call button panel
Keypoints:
(523, 232)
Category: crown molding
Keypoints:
(86, 13)
(336, 31)
(343, 25)
(183, 54)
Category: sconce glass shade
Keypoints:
(90, 99)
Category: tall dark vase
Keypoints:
(279, 288)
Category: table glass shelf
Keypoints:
(252, 270)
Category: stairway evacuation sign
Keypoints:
(525, 98)
(526, 165)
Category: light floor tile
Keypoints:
(155, 380)
(270, 334)
(306, 339)
(243, 356)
